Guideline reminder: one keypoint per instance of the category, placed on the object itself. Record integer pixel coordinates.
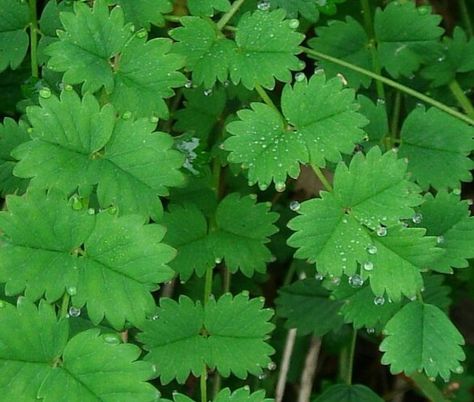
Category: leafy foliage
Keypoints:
(348, 393)
(228, 334)
(225, 395)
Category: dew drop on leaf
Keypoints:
(280, 187)
(126, 115)
(293, 23)
(379, 300)
(319, 276)
(356, 281)
(74, 311)
(91, 211)
(372, 249)
(141, 33)
(188, 84)
(440, 239)
(417, 218)
(271, 366)
(207, 92)
(45, 93)
(295, 205)
(381, 231)
(370, 331)
(342, 79)
(263, 5)
(262, 376)
(71, 290)
(218, 260)
(299, 77)
(459, 370)
(111, 339)
(368, 265)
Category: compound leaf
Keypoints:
(100, 260)
(306, 8)
(228, 334)
(307, 307)
(207, 7)
(348, 41)
(145, 12)
(348, 393)
(407, 36)
(437, 147)
(421, 337)
(75, 144)
(13, 38)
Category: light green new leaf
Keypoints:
(228, 334)
(348, 41)
(449, 218)
(38, 361)
(421, 337)
(266, 49)
(75, 144)
(12, 134)
(207, 51)
(13, 38)
(240, 395)
(437, 147)
(348, 393)
(321, 123)
(206, 7)
(109, 264)
(98, 49)
(306, 8)
(458, 57)
(407, 36)
(307, 307)
(145, 12)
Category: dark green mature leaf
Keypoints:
(39, 362)
(99, 50)
(348, 41)
(13, 38)
(267, 46)
(307, 307)
(12, 134)
(75, 144)
(322, 122)
(437, 147)
(240, 395)
(145, 12)
(377, 128)
(306, 8)
(421, 337)
(458, 57)
(407, 36)
(102, 261)
(207, 7)
(228, 334)
(437, 292)
(348, 393)
(449, 218)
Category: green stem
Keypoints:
(203, 383)
(172, 18)
(395, 117)
(428, 388)
(263, 94)
(350, 360)
(34, 39)
(321, 177)
(229, 14)
(465, 17)
(462, 99)
(390, 83)
(64, 305)
(369, 28)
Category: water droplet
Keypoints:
(380, 101)
(280, 187)
(299, 77)
(371, 249)
(293, 23)
(263, 5)
(262, 376)
(68, 87)
(207, 92)
(271, 366)
(441, 58)
(459, 370)
(74, 311)
(356, 281)
(342, 78)
(412, 298)
(154, 119)
(417, 218)
(379, 300)
(45, 93)
(423, 10)
(218, 260)
(91, 211)
(71, 290)
(126, 115)
(440, 239)
(188, 84)
(381, 231)
(370, 331)
(457, 191)
(336, 280)
(226, 84)
(319, 276)
(295, 205)
(141, 33)
(111, 339)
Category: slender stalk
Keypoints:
(428, 388)
(172, 18)
(465, 17)
(203, 383)
(462, 99)
(64, 305)
(350, 360)
(263, 94)
(34, 39)
(322, 178)
(285, 365)
(310, 365)
(391, 83)
(369, 28)
(395, 117)
(229, 14)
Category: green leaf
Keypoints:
(306, 8)
(448, 218)
(240, 395)
(39, 362)
(376, 114)
(75, 144)
(207, 51)
(266, 49)
(12, 134)
(437, 147)
(407, 37)
(436, 291)
(103, 261)
(307, 307)
(421, 337)
(322, 122)
(206, 7)
(348, 393)
(458, 57)
(13, 38)
(145, 12)
(228, 335)
(348, 41)
(99, 50)
(343, 229)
